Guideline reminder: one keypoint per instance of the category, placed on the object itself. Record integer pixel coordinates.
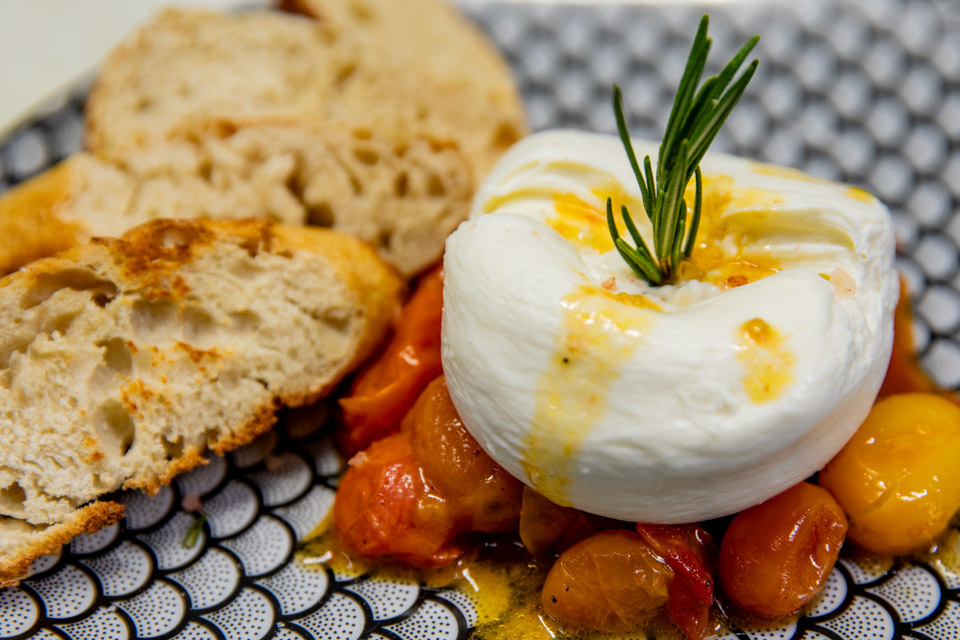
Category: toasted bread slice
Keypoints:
(122, 360)
(21, 542)
(414, 67)
(469, 93)
(402, 196)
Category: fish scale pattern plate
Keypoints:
(862, 91)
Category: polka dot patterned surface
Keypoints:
(212, 580)
(249, 616)
(124, 569)
(143, 511)
(263, 548)
(340, 618)
(255, 452)
(44, 564)
(68, 593)
(232, 510)
(20, 612)
(946, 626)
(831, 597)
(387, 599)
(289, 634)
(297, 588)
(283, 479)
(156, 611)
(105, 622)
(307, 513)
(463, 602)
(913, 592)
(432, 619)
(195, 631)
(866, 571)
(165, 540)
(203, 480)
(325, 458)
(865, 618)
(94, 542)
(863, 91)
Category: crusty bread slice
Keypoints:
(402, 196)
(411, 67)
(469, 93)
(122, 360)
(21, 542)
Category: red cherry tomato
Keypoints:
(386, 389)
(488, 498)
(384, 508)
(775, 556)
(611, 581)
(546, 526)
(690, 551)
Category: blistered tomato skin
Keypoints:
(775, 556)
(611, 581)
(486, 496)
(385, 509)
(545, 526)
(691, 553)
(898, 479)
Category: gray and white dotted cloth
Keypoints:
(861, 91)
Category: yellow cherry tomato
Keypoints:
(898, 479)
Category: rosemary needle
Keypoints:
(193, 533)
(696, 117)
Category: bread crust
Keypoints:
(89, 519)
(29, 224)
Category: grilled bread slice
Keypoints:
(404, 196)
(412, 67)
(123, 360)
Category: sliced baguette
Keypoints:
(402, 196)
(122, 360)
(429, 73)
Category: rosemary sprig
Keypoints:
(696, 118)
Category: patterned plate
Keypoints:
(863, 91)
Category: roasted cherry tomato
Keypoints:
(898, 479)
(386, 389)
(546, 526)
(488, 497)
(611, 581)
(385, 508)
(775, 556)
(690, 551)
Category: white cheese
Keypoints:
(672, 404)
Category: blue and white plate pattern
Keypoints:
(863, 91)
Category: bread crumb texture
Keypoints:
(403, 197)
(412, 67)
(122, 360)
